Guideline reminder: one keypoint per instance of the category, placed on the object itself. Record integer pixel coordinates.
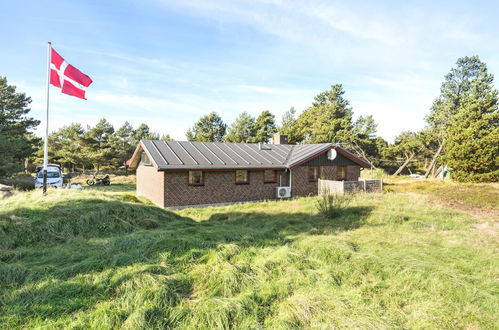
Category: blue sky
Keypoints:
(166, 63)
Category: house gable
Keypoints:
(356, 161)
(134, 161)
(322, 160)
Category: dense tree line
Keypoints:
(462, 131)
(95, 147)
(328, 119)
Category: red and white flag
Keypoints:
(65, 76)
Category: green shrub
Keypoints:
(21, 182)
(330, 205)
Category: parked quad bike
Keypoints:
(105, 181)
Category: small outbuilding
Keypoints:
(182, 173)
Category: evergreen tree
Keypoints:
(98, 148)
(166, 137)
(16, 141)
(209, 128)
(470, 76)
(143, 132)
(329, 119)
(407, 145)
(242, 129)
(123, 141)
(361, 139)
(288, 125)
(472, 145)
(264, 128)
(67, 145)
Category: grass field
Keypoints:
(103, 258)
(479, 199)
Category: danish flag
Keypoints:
(69, 79)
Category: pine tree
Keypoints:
(66, 145)
(288, 125)
(329, 119)
(407, 146)
(124, 143)
(361, 139)
(472, 145)
(469, 76)
(16, 141)
(166, 137)
(209, 128)
(143, 132)
(264, 128)
(242, 130)
(98, 147)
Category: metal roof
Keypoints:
(176, 155)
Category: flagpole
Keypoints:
(46, 144)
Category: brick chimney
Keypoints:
(280, 139)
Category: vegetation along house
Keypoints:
(180, 173)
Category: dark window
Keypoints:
(270, 176)
(313, 173)
(341, 173)
(196, 178)
(242, 176)
(144, 159)
(50, 174)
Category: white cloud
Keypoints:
(384, 54)
(390, 57)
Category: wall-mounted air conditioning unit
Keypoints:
(283, 192)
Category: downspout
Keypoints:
(280, 183)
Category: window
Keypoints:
(196, 178)
(50, 174)
(269, 176)
(341, 173)
(242, 177)
(313, 173)
(144, 159)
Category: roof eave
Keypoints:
(221, 167)
(361, 162)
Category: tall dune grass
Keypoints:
(94, 259)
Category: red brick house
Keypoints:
(181, 173)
